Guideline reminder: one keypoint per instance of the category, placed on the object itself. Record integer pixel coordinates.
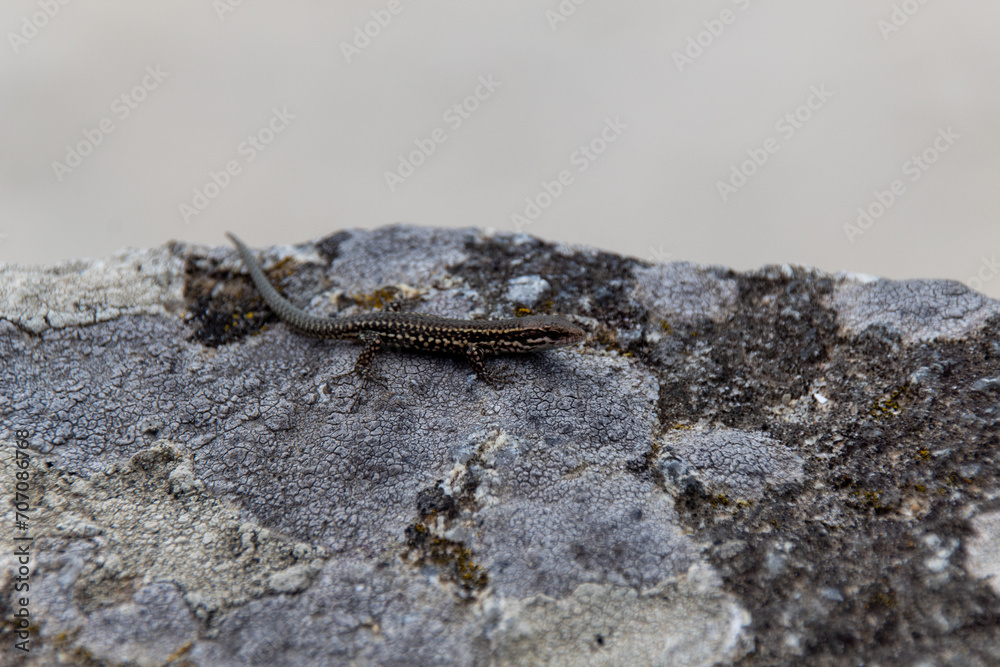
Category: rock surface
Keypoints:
(773, 467)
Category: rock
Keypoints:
(773, 467)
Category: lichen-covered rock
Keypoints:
(914, 309)
(730, 461)
(772, 467)
(84, 292)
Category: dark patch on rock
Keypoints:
(774, 344)
(455, 561)
(432, 502)
(329, 246)
(590, 283)
(223, 307)
(854, 565)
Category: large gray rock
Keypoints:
(773, 467)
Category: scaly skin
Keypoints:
(472, 339)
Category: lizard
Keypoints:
(471, 339)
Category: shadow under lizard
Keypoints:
(471, 339)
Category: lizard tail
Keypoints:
(282, 307)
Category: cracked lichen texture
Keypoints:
(685, 292)
(134, 558)
(255, 502)
(915, 309)
(729, 461)
(82, 292)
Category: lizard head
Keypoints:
(538, 332)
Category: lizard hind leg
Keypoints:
(373, 343)
(363, 366)
(474, 355)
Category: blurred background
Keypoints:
(860, 135)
